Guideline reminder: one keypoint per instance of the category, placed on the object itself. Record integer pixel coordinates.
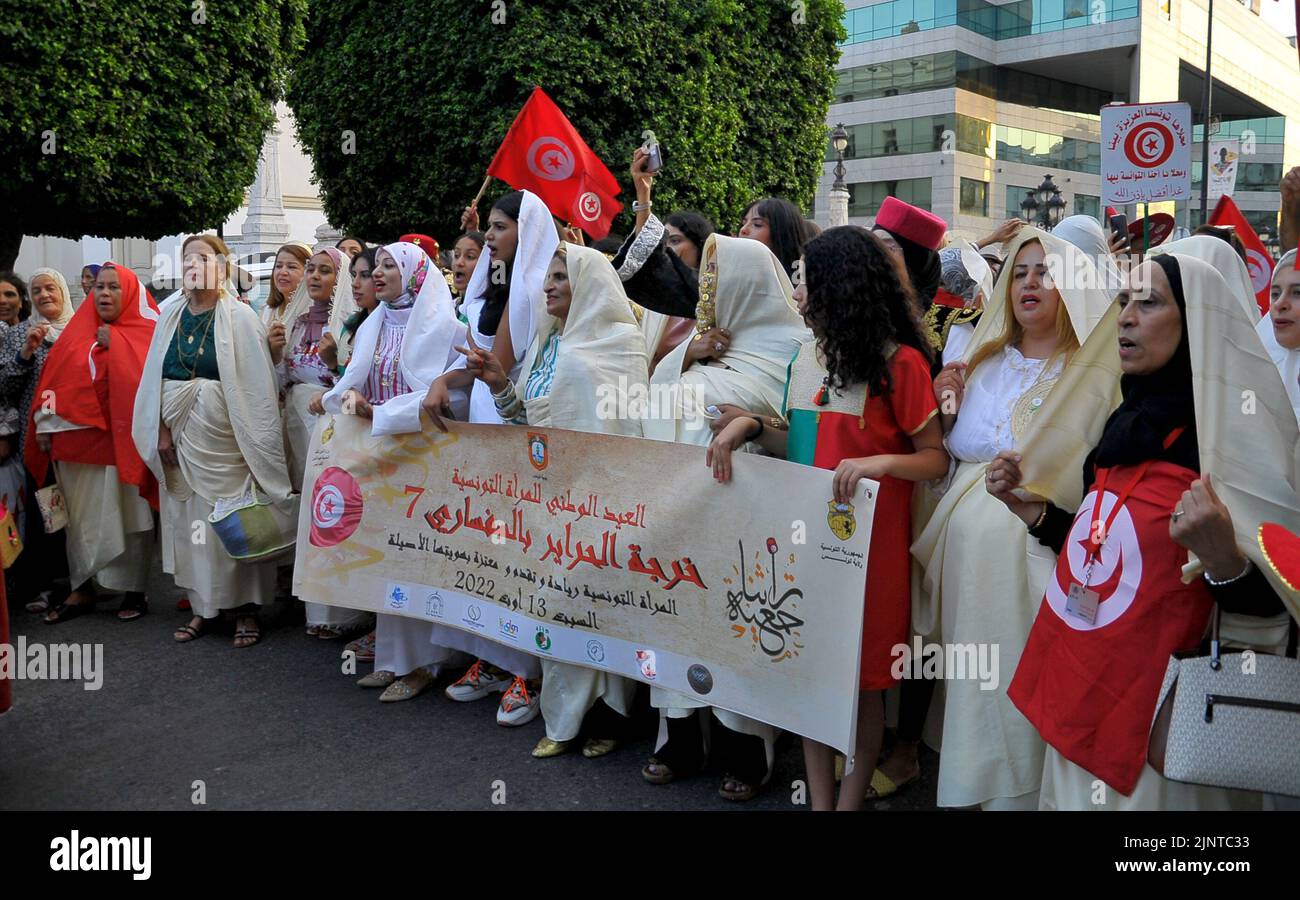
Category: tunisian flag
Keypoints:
(1090, 688)
(544, 153)
(1258, 259)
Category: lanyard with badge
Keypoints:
(1081, 602)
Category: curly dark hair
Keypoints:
(859, 302)
(695, 225)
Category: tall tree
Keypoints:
(135, 118)
(401, 110)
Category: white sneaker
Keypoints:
(479, 681)
(518, 706)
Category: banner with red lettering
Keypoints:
(614, 553)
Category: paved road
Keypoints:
(277, 726)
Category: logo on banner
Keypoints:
(840, 519)
(1260, 274)
(589, 206)
(595, 651)
(433, 605)
(397, 598)
(537, 450)
(1116, 572)
(543, 638)
(699, 678)
(1149, 145)
(550, 158)
(645, 660)
(328, 432)
(508, 628)
(335, 507)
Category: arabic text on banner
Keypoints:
(616, 553)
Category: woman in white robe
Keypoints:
(589, 340)
(407, 342)
(745, 292)
(207, 426)
(505, 308)
(984, 588)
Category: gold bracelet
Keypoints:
(1041, 518)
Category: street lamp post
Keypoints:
(1043, 206)
(839, 195)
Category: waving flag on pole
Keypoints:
(544, 153)
(1258, 259)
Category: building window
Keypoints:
(926, 134)
(1085, 205)
(1037, 148)
(865, 197)
(974, 197)
(1019, 18)
(937, 71)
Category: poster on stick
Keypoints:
(621, 554)
(1146, 152)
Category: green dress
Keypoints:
(192, 352)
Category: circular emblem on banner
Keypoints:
(1149, 145)
(1259, 270)
(589, 206)
(335, 507)
(699, 678)
(1116, 573)
(550, 158)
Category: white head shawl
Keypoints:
(55, 325)
(601, 351)
(431, 332)
(342, 304)
(754, 300)
(1086, 233)
(536, 244)
(1287, 361)
(1251, 450)
(1223, 259)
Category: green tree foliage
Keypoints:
(403, 108)
(135, 118)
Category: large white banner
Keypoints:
(616, 553)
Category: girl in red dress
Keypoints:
(859, 402)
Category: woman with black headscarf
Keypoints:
(1119, 603)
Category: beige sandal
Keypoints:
(380, 678)
(407, 687)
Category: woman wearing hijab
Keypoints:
(406, 343)
(93, 375)
(1085, 233)
(981, 587)
(592, 339)
(23, 350)
(206, 424)
(505, 315)
(1280, 329)
(1178, 482)
(744, 290)
(320, 305)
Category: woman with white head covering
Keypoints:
(589, 339)
(405, 344)
(1280, 329)
(23, 349)
(206, 424)
(1086, 233)
(1223, 259)
(744, 290)
(1193, 472)
(966, 279)
(505, 307)
(982, 587)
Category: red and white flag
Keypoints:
(1258, 259)
(544, 153)
(335, 507)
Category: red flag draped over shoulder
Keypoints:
(94, 387)
(544, 153)
(1258, 259)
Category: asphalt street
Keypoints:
(278, 726)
